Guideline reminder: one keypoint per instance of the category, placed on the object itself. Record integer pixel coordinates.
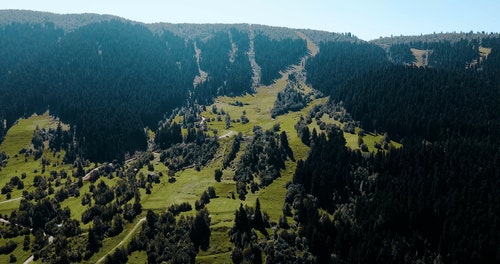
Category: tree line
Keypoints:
(432, 200)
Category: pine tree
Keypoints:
(241, 220)
(258, 222)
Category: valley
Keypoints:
(124, 142)
(189, 183)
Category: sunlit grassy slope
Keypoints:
(189, 183)
(18, 137)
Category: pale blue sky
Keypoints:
(367, 19)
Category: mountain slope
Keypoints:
(105, 68)
(214, 143)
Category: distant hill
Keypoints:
(435, 37)
(442, 50)
(105, 67)
(68, 22)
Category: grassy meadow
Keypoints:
(189, 183)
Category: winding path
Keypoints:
(11, 200)
(256, 70)
(228, 134)
(123, 240)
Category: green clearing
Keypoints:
(20, 254)
(352, 139)
(8, 206)
(190, 183)
(19, 137)
(111, 243)
(484, 51)
(421, 57)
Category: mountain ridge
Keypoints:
(74, 20)
(43, 61)
(70, 22)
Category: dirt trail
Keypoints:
(311, 46)
(203, 75)
(32, 257)
(313, 51)
(87, 176)
(251, 56)
(234, 48)
(228, 134)
(123, 240)
(29, 260)
(11, 200)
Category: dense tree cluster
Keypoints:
(235, 147)
(243, 235)
(341, 61)
(424, 202)
(195, 148)
(274, 55)
(444, 54)
(331, 180)
(284, 245)
(176, 209)
(193, 154)
(435, 37)
(166, 239)
(406, 205)
(88, 87)
(14, 182)
(4, 158)
(263, 158)
(422, 102)
(290, 99)
(8, 248)
(401, 53)
(224, 57)
(167, 134)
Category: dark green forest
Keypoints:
(432, 200)
(436, 199)
(111, 79)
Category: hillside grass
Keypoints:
(19, 137)
(484, 52)
(20, 254)
(352, 138)
(189, 183)
(421, 57)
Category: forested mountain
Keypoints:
(110, 78)
(342, 60)
(424, 102)
(435, 37)
(67, 22)
(422, 202)
(165, 105)
(119, 80)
